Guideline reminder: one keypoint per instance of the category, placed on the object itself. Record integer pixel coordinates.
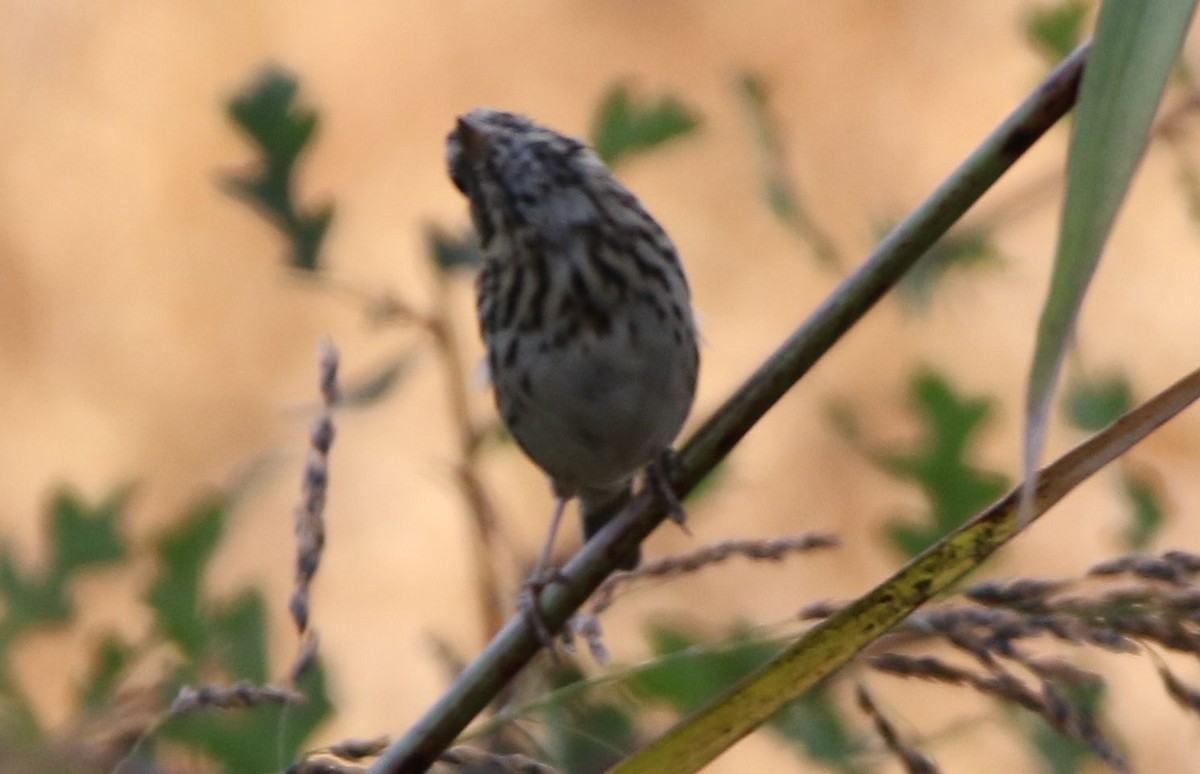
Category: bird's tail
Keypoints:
(596, 512)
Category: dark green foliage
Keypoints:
(256, 739)
(1056, 29)
(111, 657)
(225, 641)
(30, 599)
(280, 130)
(1094, 404)
(624, 127)
(80, 537)
(962, 248)
(692, 672)
(238, 636)
(815, 723)
(183, 553)
(956, 489)
(939, 465)
(220, 641)
(86, 536)
(587, 733)
(686, 680)
(1145, 501)
(1061, 754)
(778, 190)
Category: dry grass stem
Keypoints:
(477, 760)
(341, 758)
(237, 696)
(310, 513)
(772, 549)
(1177, 567)
(913, 760)
(1050, 703)
(1184, 695)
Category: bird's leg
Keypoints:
(658, 477)
(543, 575)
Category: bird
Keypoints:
(585, 313)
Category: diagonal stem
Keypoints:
(823, 649)
(516, 644)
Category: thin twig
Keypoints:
(913, 760)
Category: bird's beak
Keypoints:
(472, 139)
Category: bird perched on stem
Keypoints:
(585, 313)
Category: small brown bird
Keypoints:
(584, 309)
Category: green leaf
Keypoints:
(238, 637)
(1145, 500)
(1056, 29)
(84, 536)
(779, 191)
(1136, 44)
(624, 127)
(183, 554)
(307, 235)
(108, 664)
(268, 112)
(692, 672)
(816, 724)
(587, 734)
(281, 129)
(963, 248)
(1062, 754)
(687, 683)
(29, 600)
(450, 252)
(1094, 404)
(939, 465)
(80, 537)
(20, 723)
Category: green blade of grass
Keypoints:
(1136, 44)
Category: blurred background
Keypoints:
(158, 343)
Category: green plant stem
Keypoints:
(698, 740)
(516, 644)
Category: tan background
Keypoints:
(148, 333)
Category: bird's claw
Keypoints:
(530, 603)
(659, 474)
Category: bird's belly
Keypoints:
(593, 413)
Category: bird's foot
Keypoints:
(530, 603)
(659, 473)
